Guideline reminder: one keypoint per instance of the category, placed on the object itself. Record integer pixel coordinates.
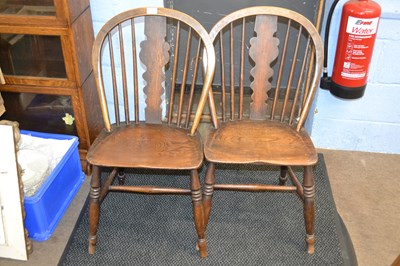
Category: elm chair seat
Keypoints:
(259, 142)
(154, 146)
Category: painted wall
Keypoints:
(371, 123)
(103, 10)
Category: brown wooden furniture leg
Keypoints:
(208, 192)
(94, 208)
(198, 213)
(121, 176)
(283, 177)
(309, 208)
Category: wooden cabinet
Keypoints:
(45, 55)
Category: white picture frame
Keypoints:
(12, 235)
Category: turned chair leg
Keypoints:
(283, 177)
(309, 208)
(208, 192)
(94, 208)
(121, 177)
(198, 213)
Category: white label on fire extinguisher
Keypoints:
(362, 26)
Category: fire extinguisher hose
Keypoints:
(325, 80)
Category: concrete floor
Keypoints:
(366, 189)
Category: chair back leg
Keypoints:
(283, 177)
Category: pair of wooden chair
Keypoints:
(257, 103)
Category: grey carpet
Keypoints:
(244, 229)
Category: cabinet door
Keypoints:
(39, 60)
(32, 55)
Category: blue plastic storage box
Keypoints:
(45, 209)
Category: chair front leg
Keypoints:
(94, 207)
(309, 208)
(198, 213)
(208, 192)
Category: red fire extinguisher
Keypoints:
(358, 28)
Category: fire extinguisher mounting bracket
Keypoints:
(326, 83)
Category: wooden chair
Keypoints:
(149, 127)
(269, 61)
